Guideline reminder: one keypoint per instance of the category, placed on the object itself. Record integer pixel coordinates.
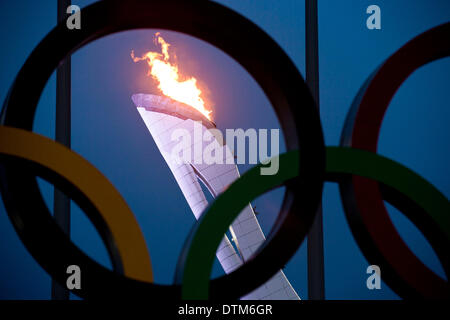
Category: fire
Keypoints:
(168, 77)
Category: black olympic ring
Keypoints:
(271, 68)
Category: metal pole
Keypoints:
(316, 281)
(61, 203)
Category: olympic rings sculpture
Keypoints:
(303, 168)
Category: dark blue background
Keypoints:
(107, 130)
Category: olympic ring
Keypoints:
(364, 208)
(41, 154)
(340, 161)
(272, 69)
(363, 187)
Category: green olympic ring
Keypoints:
(221, 213)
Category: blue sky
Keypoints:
(107, 130)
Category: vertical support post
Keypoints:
(61, 203)
(316, 281)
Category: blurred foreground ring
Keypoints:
(397, 182)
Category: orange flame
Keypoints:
(168, 77)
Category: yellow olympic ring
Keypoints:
(117, 215)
